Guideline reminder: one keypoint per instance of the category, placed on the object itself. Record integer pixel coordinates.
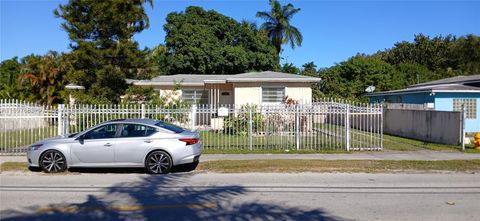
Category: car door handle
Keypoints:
(147, 141)
(108, 145)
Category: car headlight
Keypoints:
(35, 147)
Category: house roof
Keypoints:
(452, 80)
(458, 88)
(454, 84)
(202, 79)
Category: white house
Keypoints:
(266, 87)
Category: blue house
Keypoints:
(442, 95)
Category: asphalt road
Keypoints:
(252, 196)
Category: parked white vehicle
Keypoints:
(152, 144)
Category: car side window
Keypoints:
(150, 131)
(102, 132)
(136, 130)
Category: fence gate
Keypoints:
(326, 124)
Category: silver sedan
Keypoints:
(152, 144)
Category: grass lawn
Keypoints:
(321, 166)
(351, 166)
(471, 149)
(240, 144)
(216, 142)
(14, 166)
(405, 144)
(331, 140)
(23, 167)
(23, 138)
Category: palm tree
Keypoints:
(43, 76)
(277, 25)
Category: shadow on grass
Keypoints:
(167, 197)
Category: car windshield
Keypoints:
(170, 127)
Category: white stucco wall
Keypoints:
(251, 93)
(301, 94)
(247, 94)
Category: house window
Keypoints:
(195, 96)
(470, 106)
(273, 94)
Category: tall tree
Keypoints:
(278, 27)
(41, 78)
(432, 58)
(289, 68)
(349, 79)
(9, 70)
(104, 52)
(466, 53)
(413, 73)
(158, 57)
(207, 42)
(433, 53)
(309, 69)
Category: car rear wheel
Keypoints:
(158, 162)
(52, 161)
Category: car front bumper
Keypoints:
(32, 158)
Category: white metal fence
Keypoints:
(406, 106)
(321, 125)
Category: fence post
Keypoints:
(66, 129)
(347, 127)
(266, 124)
(463, 127)
(60, 119)
(143, 111)
(297, 127)
(193, 117)
(382, 114)
(250, 128)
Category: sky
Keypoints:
(332, 31)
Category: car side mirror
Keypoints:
(81, 138)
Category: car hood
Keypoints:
(55, 139)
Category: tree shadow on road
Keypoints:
(167, 197)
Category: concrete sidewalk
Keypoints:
(384, 155)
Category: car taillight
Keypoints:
(189, 141)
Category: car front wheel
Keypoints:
(158, 162)
(52, 161)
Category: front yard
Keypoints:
(331, 141)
